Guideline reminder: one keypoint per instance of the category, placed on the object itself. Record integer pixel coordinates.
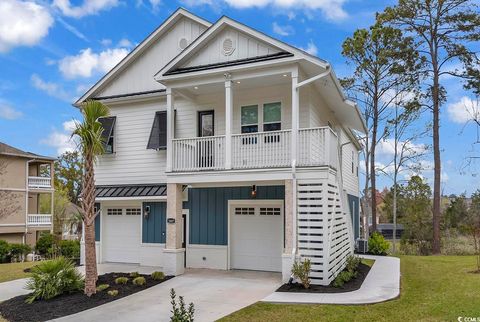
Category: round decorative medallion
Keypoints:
(183, 43)
(228, 46)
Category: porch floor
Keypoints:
(381, 284)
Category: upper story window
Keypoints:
(249, 119)
(108, 124)
(272, 116)
(158, 133)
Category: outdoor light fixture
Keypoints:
(254, 191)
(146, 212)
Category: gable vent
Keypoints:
(228, 46)
(183, 43)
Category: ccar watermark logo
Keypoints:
(468, 319)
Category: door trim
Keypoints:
(199, 121)
(255, 202)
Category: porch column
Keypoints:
(290, 240)
(228, 121)
(173, 252)
(170, 128)
(295, 108)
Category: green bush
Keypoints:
(52, 278)
(45, 244)
(102, 287)
(19, 251)
(134, 274)
(301, 271)
(69, 248)
(343, 277)
(139, 281)
(377, 245)
(158, 276)
(113, 292)
(4, 251)
(352, 263)
(121, 280)
(180, 313)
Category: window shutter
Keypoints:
(108, 123)
(158, 134)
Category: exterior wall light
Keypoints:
(254, 192)
(146, 212)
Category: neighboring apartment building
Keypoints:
(226, 149)
(25, 179)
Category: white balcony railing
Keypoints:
(39, 182)
(196, 154)
(315, 147)
(39, 220)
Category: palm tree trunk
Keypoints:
(88, 202)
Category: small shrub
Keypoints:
(301, 271)
(4, 251)
(139, 281)
(113, 292)
(352, 263)
(179, 312)
(69, 248)
(52, 278)
(134, 274)
(343, 277)
(377, 244)
(121, 280)
(102, 287)
(19, 251)
(45, 244)
(157, 276)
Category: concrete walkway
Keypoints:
(381, 284)
(214, 293)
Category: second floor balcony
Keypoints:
(39, 182)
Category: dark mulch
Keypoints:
(352, 285)
(16, 310)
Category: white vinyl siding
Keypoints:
(350, 180)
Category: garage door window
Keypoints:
(245, 211)
(133, 211)
(114, 211)
(269, 211)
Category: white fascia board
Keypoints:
(133, 99)
(140, 48)
(226, 21)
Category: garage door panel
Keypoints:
(122, 237)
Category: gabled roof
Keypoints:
(9, 150)
(214, 29)
(140, 48)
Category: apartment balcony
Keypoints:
(39, 182)
(314, 147)
(39, 220)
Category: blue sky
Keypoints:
(52, 51)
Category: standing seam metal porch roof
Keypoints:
(126, 191)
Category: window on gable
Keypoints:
(108, 124)
(249, 119)
(272, 116)
(158, 133)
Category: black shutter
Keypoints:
(108, 123)
(158, 134)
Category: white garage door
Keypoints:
(256, 236)
(121, 237)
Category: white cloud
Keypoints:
(282, 30)
(22, 23)
(386, 148)
(311, 48)
(61, 140)
(86, 62)
(125, 43)
(464, 110)
(72, 29)
(7, 112)
(106, 42)
(89, 7)
(52, 89)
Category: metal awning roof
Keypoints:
(131, 191)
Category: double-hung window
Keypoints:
(272, 117)
(249, 119)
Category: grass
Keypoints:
(13, 271)
(368, 262)
(433, 288)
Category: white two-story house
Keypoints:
(226, 149)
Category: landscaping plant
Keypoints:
(157, 276)
(301, 271)
(18, 252)
(52, 278)
(139, 281)
(179, 312)
(69, 248)
(45, 244)
(102, 287)
(113, 292)
(134, 274)
(377, 245)
(350, 271)
(4, 251)
(121, 280)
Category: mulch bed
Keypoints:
(16, 310)
(352, 285)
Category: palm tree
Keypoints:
(91, 144)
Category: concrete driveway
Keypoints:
(214, 293)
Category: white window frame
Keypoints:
(260, 103)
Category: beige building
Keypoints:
(26, 195)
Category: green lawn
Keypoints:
(13, 271)
(434, 288)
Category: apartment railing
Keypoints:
(39, 220)
(39, 182)
(196, 154)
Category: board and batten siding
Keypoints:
(154, 227)
(245, 46)
(208, 210)
(138, 77)
(131, 161)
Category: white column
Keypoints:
(295, 108)
(170, 128)
(228, 122)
